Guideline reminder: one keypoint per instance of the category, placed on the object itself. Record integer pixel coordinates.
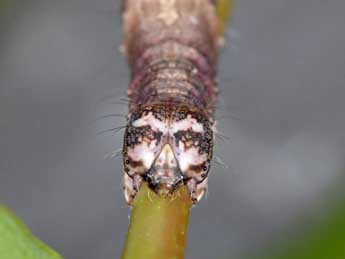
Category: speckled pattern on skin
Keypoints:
(172, 51)
(188, 133)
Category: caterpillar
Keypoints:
(172, 50)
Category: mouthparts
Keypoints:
(165, 173)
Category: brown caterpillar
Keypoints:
(171, 46)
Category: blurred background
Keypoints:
(278, 189)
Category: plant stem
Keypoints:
(158, 225)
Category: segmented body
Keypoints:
(172, 48)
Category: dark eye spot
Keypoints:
(204, 168)
(127, 161)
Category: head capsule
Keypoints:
(167, 145)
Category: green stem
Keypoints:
(158, 225)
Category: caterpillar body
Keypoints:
(172, 49)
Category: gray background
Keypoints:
(282, 106)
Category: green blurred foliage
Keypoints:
(224, 9)
(17, 242)
(4, 4)
(324, 238)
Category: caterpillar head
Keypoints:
(167, 145)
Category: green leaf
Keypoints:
(17, 242)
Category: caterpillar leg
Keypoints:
(131, 186)
(197, 190)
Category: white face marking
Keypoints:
(189, 157)
(147, 152)
(185, 124)
(150, 120)
(144, 152)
